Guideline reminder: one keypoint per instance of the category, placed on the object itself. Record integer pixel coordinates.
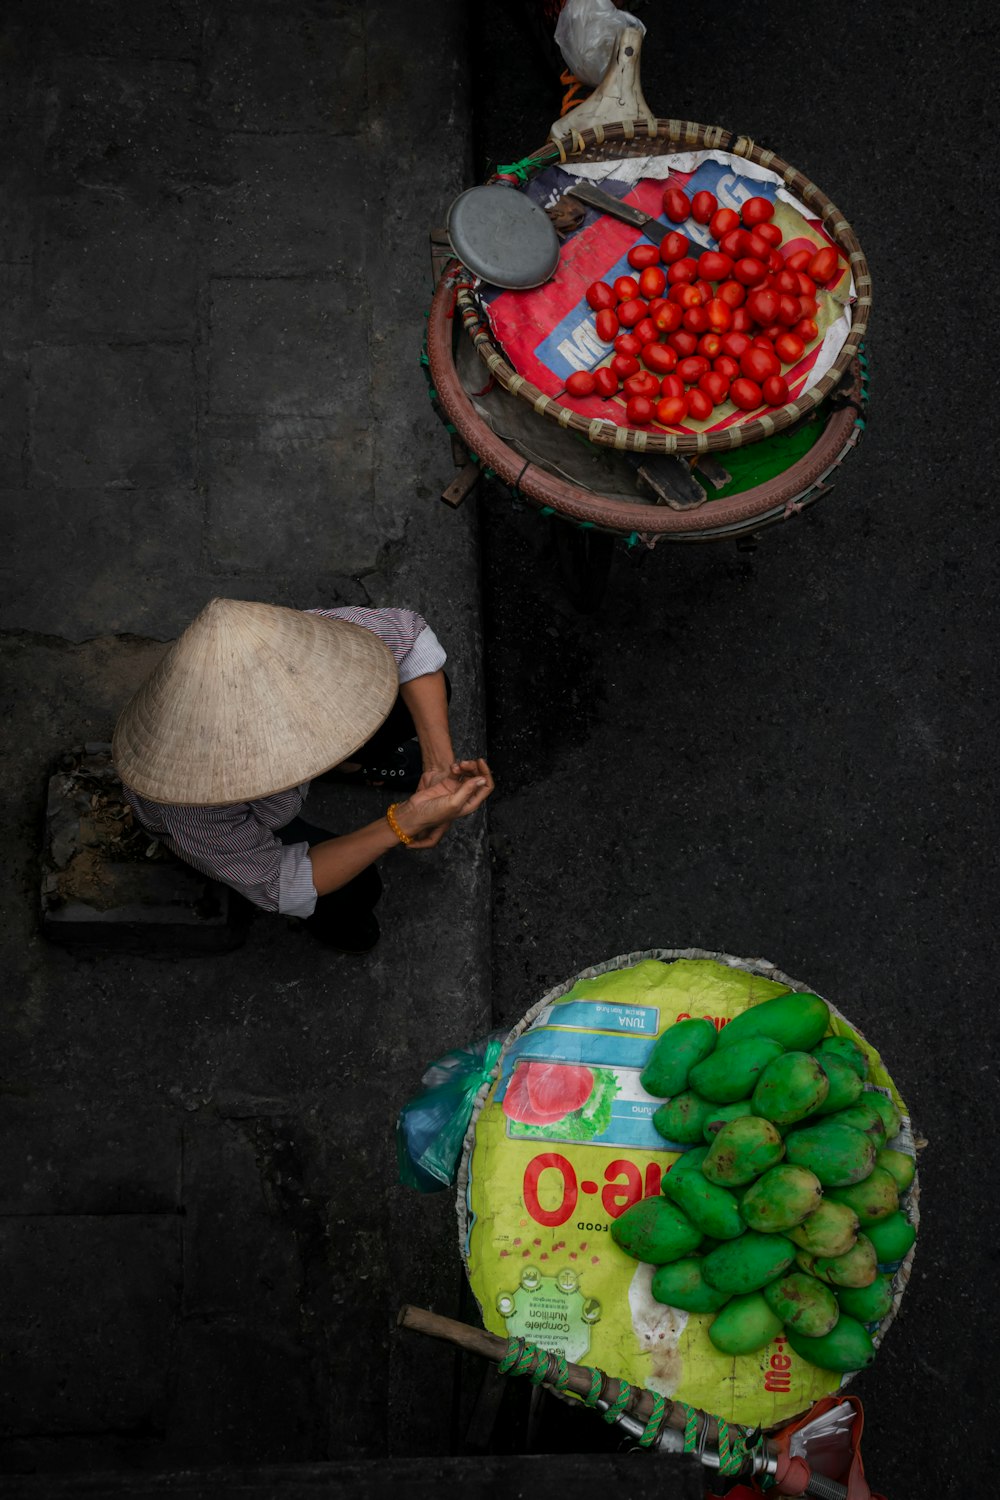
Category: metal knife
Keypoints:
(595, 197)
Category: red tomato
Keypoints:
(733, 293)
(691, 369)
(742, 321)
(672, 410)
(710, 345)
(639, 411)
(652, 281)
(799, 260)
(734, 243)
(655, 304)
(746, 394)
(600, 295)
(646, 331)
(789, 348)
(750, 270)
(696, 318)
(758, 247)
(683, 342)
(806, 287)
(734, 343)
(808, 307)
(757, 211)
(628, 343)
(672, 247)
(723, 221)
(580, 383)
(787, 281)
(605, 381)
(683, 270)
(726, 366)
(700, 405)
(672, 385)
(770, 233)
(775, 261)
(775, 390)
(770, 332)
(626, 288)
(720, 315)
(690, 296)
(668, 317)
(624, 365)
(713, 266)
(642, 255)
(660, 358)
(806, 330)
(676, 205)
(706, 289)
(789, 311)
(607, 325)
(715, 385)
(823, 264)
(703, 206)
(642, 384)
(757, 364)
(631, 312)
(762, 305)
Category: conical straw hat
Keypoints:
(251, 700)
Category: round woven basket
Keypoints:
(661, 137)
(759, 967)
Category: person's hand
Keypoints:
(442, 797)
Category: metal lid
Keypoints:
(503, 237)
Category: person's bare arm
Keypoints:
(427, 701)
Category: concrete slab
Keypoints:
(62, 1160)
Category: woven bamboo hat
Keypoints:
(252, 699)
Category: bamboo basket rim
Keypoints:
(658, 137)
(765, 970)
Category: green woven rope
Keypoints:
(596, 1386)
(690, 1429)
(653, 1423)
(522, 1358)
(620, 1402)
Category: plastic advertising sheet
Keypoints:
(549, 332)
(564, 1143)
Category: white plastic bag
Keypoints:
(587, 33)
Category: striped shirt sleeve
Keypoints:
(234, 845)
(409, 637)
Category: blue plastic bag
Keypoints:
(431, 1127)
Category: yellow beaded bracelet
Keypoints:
(393, 822)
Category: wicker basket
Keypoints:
(661, 137)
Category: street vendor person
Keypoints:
(217, 748)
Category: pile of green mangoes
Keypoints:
(786, 1203)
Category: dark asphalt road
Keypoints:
(791, 754)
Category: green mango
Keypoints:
(831, 1230)
(675, 1054)
(848, 1049)
(781, 1198)
(747, 1264)
(847, 1346)
(874, 1197)
(862, 1115)
(892, 1237)
(682, 1118)
(856, 1267)
(845, 1085)
(891, 1117)
(743, 1325)
(710, 1208)
(655, 1230)
(721, 1114)
(869, 1304)
(899, 1165)
(802, 1303)
(690, 1160)
(797, 1021)
(682, 1285)
(730, 1075)
(790, 1087)
(742, 1150)
(835, 1151)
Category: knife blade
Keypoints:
(595, 197)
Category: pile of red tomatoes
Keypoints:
(691, 332)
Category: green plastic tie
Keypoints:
(586, 525)
(632, 540)
(431, 393)
(546, 510)
(515, 169)
(860, 422)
